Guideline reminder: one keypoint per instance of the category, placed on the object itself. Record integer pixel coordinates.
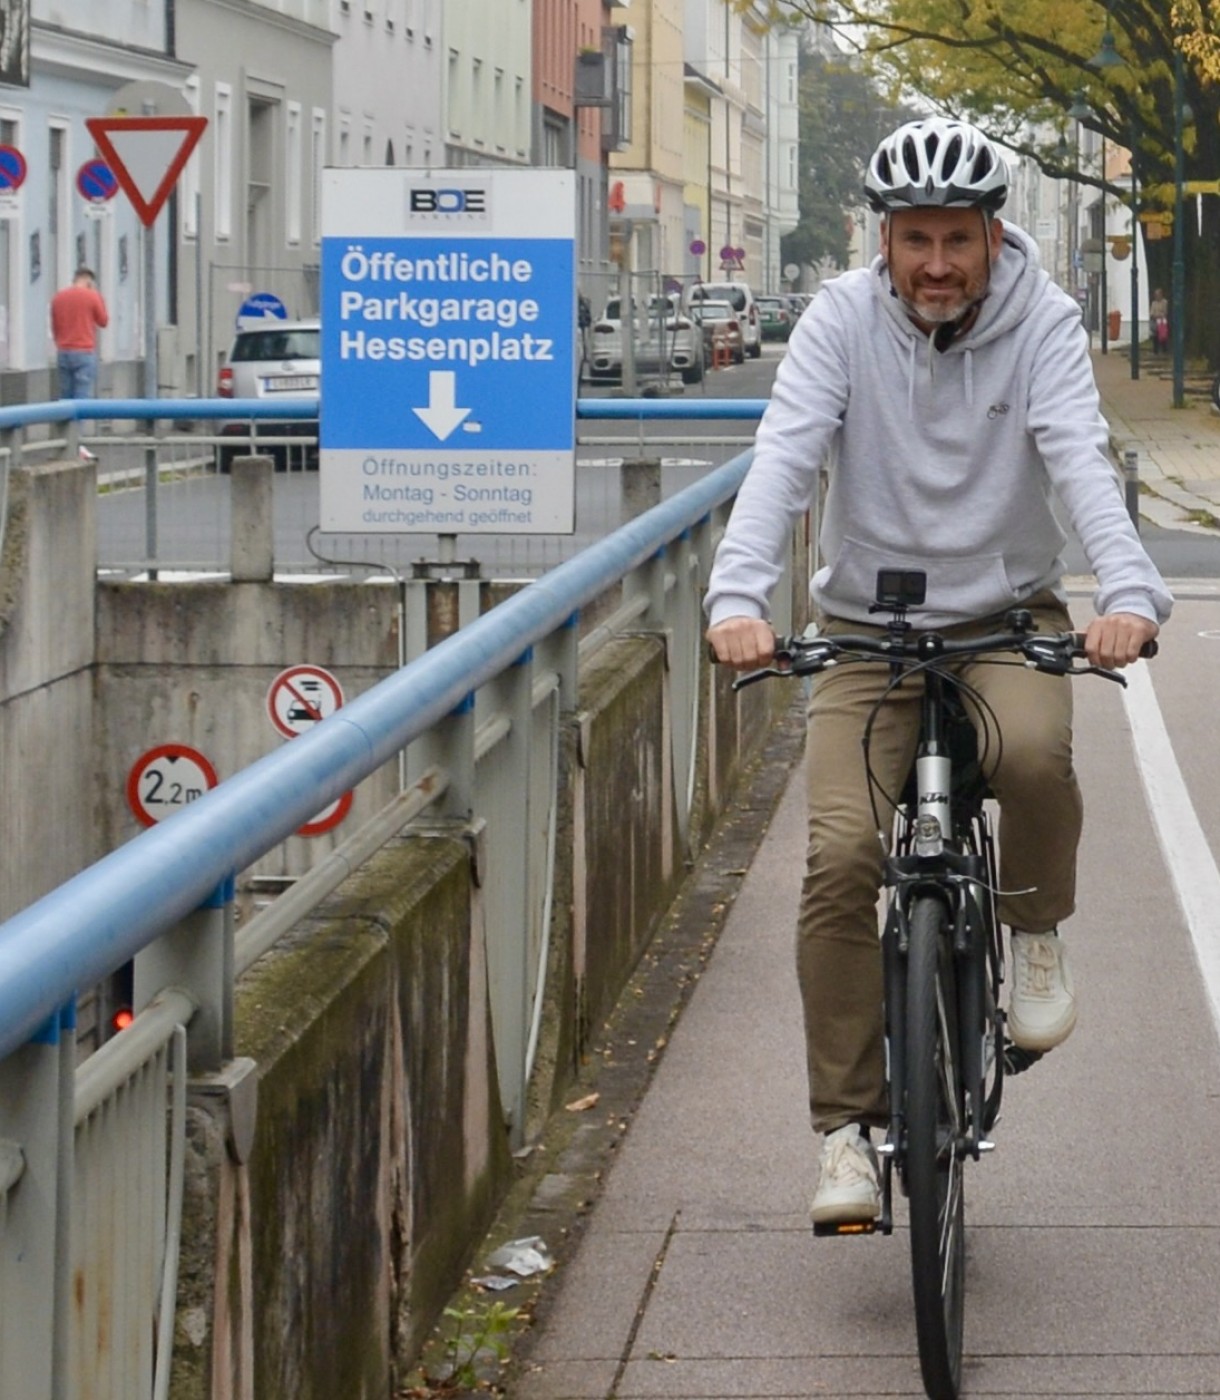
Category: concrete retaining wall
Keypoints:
(325, 1231)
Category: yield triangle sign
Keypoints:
(147, 155)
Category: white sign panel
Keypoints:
(448, 351)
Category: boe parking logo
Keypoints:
(426, 204)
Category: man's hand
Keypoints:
(745, 643)
(1114, 641)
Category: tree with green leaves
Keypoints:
(1018, 66)
(842, 118)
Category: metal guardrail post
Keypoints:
(650, 579)
(449, 746)
(505, 812)
(36, 1092)
(1131, 484)
(198, 957)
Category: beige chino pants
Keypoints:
(838, 947)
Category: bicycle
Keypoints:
(942, 950)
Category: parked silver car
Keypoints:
(666, 340)
(272, 359)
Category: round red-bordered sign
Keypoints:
(301, 696)
(12, 169)
(96, 182)
(166, 779)
(328, 818)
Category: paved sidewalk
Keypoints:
(1179, 449)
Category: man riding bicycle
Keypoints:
(950, 384)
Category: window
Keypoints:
(293, 156)
(317, 159)
(190, 175)
(222, 146)
(11, 341)
(58, 206)
(453, 104)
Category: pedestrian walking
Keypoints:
(1158, 314)
(78, 312)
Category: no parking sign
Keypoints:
(297, 699)
(300, 697)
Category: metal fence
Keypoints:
(90, 1160)
(163, 501)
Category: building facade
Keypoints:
(674, 114)
(77, 57)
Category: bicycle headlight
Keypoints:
(929, 839)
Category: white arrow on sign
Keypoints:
(441, 416)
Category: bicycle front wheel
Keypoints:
(933, 1162)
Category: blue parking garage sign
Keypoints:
(448, 351)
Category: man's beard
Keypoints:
(939, 312)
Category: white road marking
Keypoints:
(1188, 856)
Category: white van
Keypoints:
(741, 299)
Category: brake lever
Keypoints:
(1097, 671)
(740, 682)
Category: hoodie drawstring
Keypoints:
(912, 361)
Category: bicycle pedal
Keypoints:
(1017, 1061)
(824, 1228)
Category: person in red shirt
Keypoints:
(77, 312)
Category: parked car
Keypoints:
(272, 359)
(776, 318)
(741, 299)
(666, 340)
(718, 320)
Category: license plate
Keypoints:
(292, 384)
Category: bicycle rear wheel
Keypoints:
(933, 1163)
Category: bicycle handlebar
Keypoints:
(1052, 652)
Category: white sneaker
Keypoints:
(1042, 1012)
(85, 455)
(849, 1186)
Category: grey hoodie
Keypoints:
(941, 462)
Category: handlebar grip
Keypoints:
(1147, 651)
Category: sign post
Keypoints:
(448, 351)
(146, 154)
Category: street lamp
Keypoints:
(1107, 58)
(1177, 305)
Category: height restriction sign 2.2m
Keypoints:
(448, 351)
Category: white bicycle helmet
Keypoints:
(936, 162)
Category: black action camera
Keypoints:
(901, 588)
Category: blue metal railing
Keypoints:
(78, 410)
(82, 931)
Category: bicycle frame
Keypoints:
(944, 848)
